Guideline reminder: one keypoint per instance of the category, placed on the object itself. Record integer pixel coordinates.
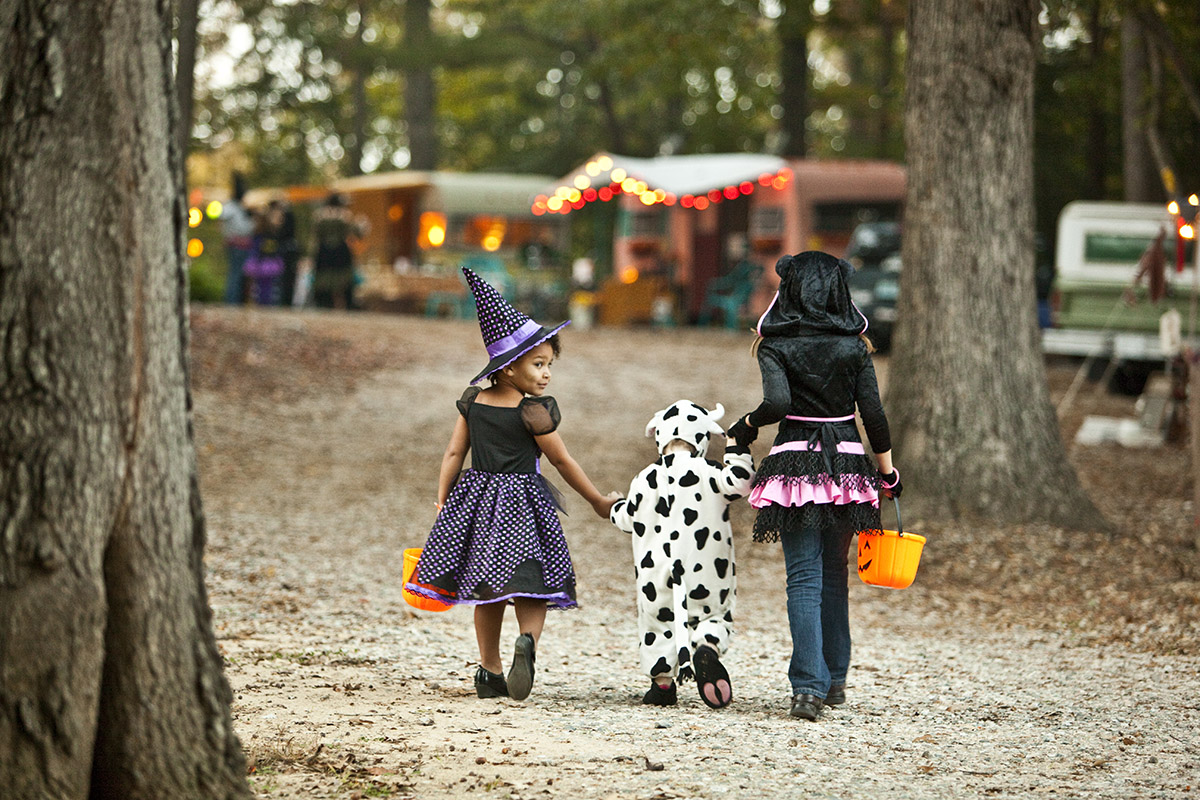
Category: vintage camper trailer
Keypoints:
(421, 226)
(702, 232)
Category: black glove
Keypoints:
(890, 483)
(742, 432)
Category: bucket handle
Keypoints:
(899, 524)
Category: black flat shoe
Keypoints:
(806, 706)
(658, 696)
(711, 678)
(489, 684)
(837, 695)
(520, 675)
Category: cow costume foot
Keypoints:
(660, 695)
(711, 678)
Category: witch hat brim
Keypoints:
(512, 347)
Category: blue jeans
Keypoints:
(818, 609)
(235, 279)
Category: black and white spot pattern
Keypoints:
(677, 511)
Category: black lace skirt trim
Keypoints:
(853, 517)
(854, 471)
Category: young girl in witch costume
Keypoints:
(497, 537)
(817, 486)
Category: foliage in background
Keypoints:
(523, 86)
(1078, 148)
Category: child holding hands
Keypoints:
(818, 485)
(497, 537)
(678, 514)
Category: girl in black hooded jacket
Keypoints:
(818, 486)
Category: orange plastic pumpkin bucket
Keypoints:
(411, 556)
(889, 558)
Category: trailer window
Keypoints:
(1116, 249)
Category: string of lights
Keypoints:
(602, 179)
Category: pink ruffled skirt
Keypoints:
(786, 491)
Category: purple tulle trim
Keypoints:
(560, 600)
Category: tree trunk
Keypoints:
(1157, 32)
(110, 679)
(968, 398)
(883, 84)
(420, 103)
(793, 28)
(185, 71)
(358, 135)
(1140, 185)
(1096, 166)
(616, 130)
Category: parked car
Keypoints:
(874, 252)
(1097, 255)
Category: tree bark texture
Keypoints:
(110, 679)
(973, 428)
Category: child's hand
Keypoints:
(890, 484)
(742, 432)
(605, 504)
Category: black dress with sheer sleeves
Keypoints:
(498, 535)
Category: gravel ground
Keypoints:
(1023, 661)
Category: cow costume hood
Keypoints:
(688, 422)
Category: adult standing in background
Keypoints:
(289, 248)
(237, 229)
(333, 261)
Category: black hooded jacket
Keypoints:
(812, 360)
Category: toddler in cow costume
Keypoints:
(678, 513)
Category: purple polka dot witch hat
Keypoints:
(507, 333)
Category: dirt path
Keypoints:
(319, 465)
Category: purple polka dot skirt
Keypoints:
(498, 537)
